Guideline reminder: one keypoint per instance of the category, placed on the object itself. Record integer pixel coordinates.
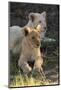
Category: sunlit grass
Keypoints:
(20, 81)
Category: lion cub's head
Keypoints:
(33, 35)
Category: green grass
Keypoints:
(20, 81)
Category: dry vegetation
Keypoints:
(20, 81)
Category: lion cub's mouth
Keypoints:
(36, 45)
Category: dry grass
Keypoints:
(20, 81)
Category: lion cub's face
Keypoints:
(33, 36)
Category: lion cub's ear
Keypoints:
(26, 31)
(39, 28)
(32, 17)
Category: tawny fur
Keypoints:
(16, 32)
(31, 50)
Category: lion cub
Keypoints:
(31, 50)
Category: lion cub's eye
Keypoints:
(33, 37)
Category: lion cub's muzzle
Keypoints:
(37, 43)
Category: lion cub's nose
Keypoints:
(37, 44)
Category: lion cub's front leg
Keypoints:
(24, 65)
(38, 64)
